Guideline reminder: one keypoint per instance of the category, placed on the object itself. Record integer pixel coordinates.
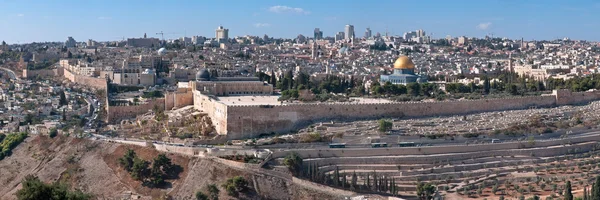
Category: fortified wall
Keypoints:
(247, 121)
(180, 98)
(117, 113)
(28, 74)
(216, 110)
(97, 83)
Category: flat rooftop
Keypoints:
(272, 100)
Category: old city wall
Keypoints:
(250, 121)
(180, 98)
(216, 110)
(566, 97)
(97, 83)
(117, 113)
(28, 74)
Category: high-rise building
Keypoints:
(410, 35)
(462, 40)
(70, 42)
(349, 32)
(222, 34)
(318, 35)
(420, 33)
(339, 36)
(368, 33)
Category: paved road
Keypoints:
(11, 73)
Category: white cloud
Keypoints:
(287, 9)
(104, 18)
(484, 26)
(20, 15)
(260, 25)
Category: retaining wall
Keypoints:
(116, 113)
(362, 152)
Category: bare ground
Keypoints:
(92, 166)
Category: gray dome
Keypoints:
(203, 75)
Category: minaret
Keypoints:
(314, 50)
(510, 63)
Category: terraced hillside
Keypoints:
(458, 171)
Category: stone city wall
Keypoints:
(250, 121)
(216, 110)
(117, 113)
(29, 74)
(180, 98)
(97, 83)
(566, 97)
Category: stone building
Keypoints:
(404, 73)
(229, 86)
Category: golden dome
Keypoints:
(404, 62)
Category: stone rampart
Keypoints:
(44, 73)
(97, 83)
(216, 110)
(116, 113)
(180, 98)
(246, 121)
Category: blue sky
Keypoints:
(101, 20)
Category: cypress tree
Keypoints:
(368, 182)
(336, 177)
(353, 184)
(568, 194)
(596, 189)
(344, 181)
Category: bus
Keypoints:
(337, 145)
(377, 145)
(407, 144)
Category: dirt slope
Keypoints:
(91, 166)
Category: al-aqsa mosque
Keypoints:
(404, 73)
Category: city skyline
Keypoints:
(38, 21)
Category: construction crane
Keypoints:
(162, 35)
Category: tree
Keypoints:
(425, 191)
(63, 99)
(201, 196)
(139, 170)
(353, 181)
(293, 161)
(414, 89)
(513, 90)
(596, 189)
(53, 132)
(213, 191)
(486, 85)
(34, 189)
(568, 194)
(385, 125)
(235, 185)
(127, 160)
(69, 54)
(160, 168)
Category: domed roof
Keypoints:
(203, 75)
(404, 62)
(162, 51)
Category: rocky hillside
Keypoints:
(92, 166)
